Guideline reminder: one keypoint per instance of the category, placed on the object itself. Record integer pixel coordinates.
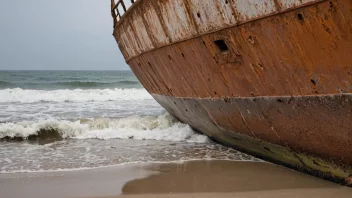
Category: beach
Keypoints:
(192, 100)
(199, 178)
(84, 134)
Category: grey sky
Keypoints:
(58, 35)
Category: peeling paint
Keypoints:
(152, 20)
(252, 9)
(212, 15)
(176, 19)
(290, 4)
(141, 32)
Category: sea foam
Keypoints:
(163, 127)
(78, 95)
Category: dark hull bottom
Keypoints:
(312, 134)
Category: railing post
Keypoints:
(113, 14)
(123, 5)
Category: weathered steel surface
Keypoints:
(177, 20)
(289, 4)
(155, 25)
(279, 55)
(248, 10)
(138, 25)
(298, 124)
(211, 15)
(276, 75)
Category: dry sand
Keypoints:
(188, 179)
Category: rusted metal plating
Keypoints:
(300, 52)
(157, 23)
(279, 71)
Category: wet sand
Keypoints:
(188, 179)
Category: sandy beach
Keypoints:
(187, 179)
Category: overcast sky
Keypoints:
(58, 35)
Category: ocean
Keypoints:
(70, 120)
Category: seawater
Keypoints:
(67, 120)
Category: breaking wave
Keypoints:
(164, 128)
(19, 95)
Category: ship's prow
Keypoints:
(272, 78)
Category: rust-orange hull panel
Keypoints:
(281, 91)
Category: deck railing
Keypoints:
(119, 8)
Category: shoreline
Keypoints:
(138, 163)
(196, 178)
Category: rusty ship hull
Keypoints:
(272, 78)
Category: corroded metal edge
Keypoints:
(201, 116)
